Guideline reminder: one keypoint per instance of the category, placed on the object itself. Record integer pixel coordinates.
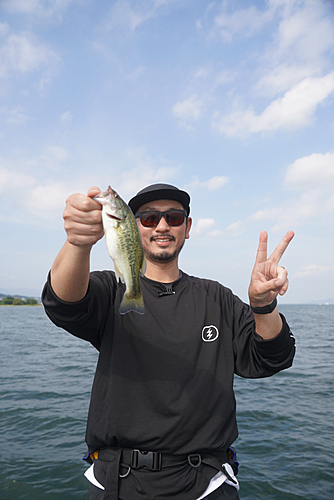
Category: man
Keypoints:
(162, 414)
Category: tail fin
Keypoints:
(135, 304)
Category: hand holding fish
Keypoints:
(83, 225)
(268, 278)
(83, 219)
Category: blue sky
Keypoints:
(231, 100)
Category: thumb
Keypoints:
(93, 191)
(273, 285)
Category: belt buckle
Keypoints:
(150, 460)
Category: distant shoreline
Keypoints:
(20, 305)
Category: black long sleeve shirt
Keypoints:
(164, 380)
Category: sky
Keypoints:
(231, 100)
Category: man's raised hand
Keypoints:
(268, 278)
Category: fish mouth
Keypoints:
(113, 217)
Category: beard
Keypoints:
(163, 256)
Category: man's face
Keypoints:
(163, 243)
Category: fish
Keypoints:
(124, 247)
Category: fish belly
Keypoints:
(126, 254)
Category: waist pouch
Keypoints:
(131, 474)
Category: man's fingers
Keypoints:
(273, 285)
(281, 247)
(282, 281)
(83, 218)
(284, 288)
(282, 275)
(261, 255)
(81, 215)
(81, 203)
(268, 278)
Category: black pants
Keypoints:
(225, 492)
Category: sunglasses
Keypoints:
(151, 218)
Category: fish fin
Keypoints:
(119, 275)
(132, 304)
(143, 265)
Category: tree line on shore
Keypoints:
(14, 301)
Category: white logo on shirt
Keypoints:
(210, 333)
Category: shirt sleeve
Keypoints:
(256, 357)
(86, 318)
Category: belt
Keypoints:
(128, 459)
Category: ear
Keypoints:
(188, 227)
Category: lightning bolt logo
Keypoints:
(210, 333)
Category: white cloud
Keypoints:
(4, 29)
(143, 170)
(312, 269)
(24, 53)
(123, 14)
(47, 198)
(16, 178)
(12, 180)
(309, 206)
(313, 176)
(134, 75)
(266, 214)
(52, 159)
(305, 31)
(315, 170)
(188, 110)
(217, 182)
(212, 184)
(282, 77)
(21, 6)
(203, 225)
(216, 233)
(241, 22)
(131, 14)
(301, 30)
(295, 109)
(16, 115)
(56, 153)
(66, 117)
(203, 89)
(297, 106)
(36, 201)
(301, 47)
(292, 68)
(43, 195)
(36, 8)
(236, 229)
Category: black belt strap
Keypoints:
(111, 481)
(153, 461)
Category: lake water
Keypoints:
(286, 423)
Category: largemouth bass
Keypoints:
(124, 247)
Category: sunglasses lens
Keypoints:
(175, 218)
(150, 219)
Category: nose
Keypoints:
(162, 226)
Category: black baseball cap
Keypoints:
(159, 192)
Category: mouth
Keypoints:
(162, 240)
(113, 217)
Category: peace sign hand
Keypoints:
(268, 278)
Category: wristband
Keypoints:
(266, 309)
